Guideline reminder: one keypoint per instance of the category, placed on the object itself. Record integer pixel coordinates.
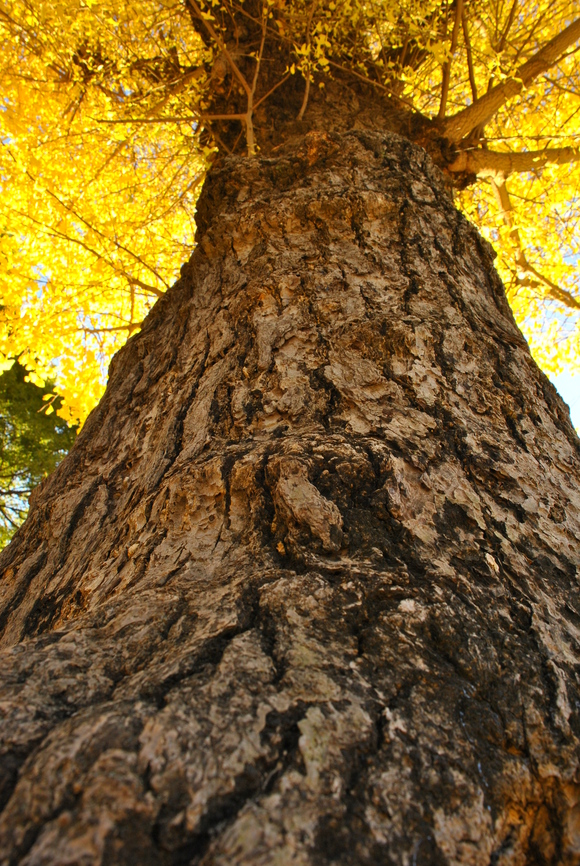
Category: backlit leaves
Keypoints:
(101, 114)
(95, 216)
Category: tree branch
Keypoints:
(462, 123)
(93, 228)
(56, 233)
(221, 45)
(193, 119)
(51, 232)
(248, 89)
(307, 86)
(271, 91)
(173, 89)
(527, 274)
(376, 84)
(150, 290)
(469, 56)
(447, 64)
(131, 328)
(512, 14)
(490, 163)
(250, 137)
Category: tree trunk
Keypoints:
(306, 589)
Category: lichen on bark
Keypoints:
(306, 590)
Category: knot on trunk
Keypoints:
(299, 502)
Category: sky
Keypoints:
(569, 387)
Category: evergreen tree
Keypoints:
(33, 440)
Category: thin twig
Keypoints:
(221, 45)
(194, 119)
(507, 28)
(250, 137)
(470, 69)
(271, 91)
(307, 85)
(131, 328)
(447, 64)
(374, 84)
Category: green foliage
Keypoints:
(33, 440)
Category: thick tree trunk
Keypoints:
(306, 589)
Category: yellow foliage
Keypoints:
(95, 216)
(101, 114)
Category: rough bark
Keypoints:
(306, 590)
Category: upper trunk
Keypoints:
(306, 589)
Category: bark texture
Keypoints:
(306, 591)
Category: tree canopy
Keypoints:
(111, 114)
